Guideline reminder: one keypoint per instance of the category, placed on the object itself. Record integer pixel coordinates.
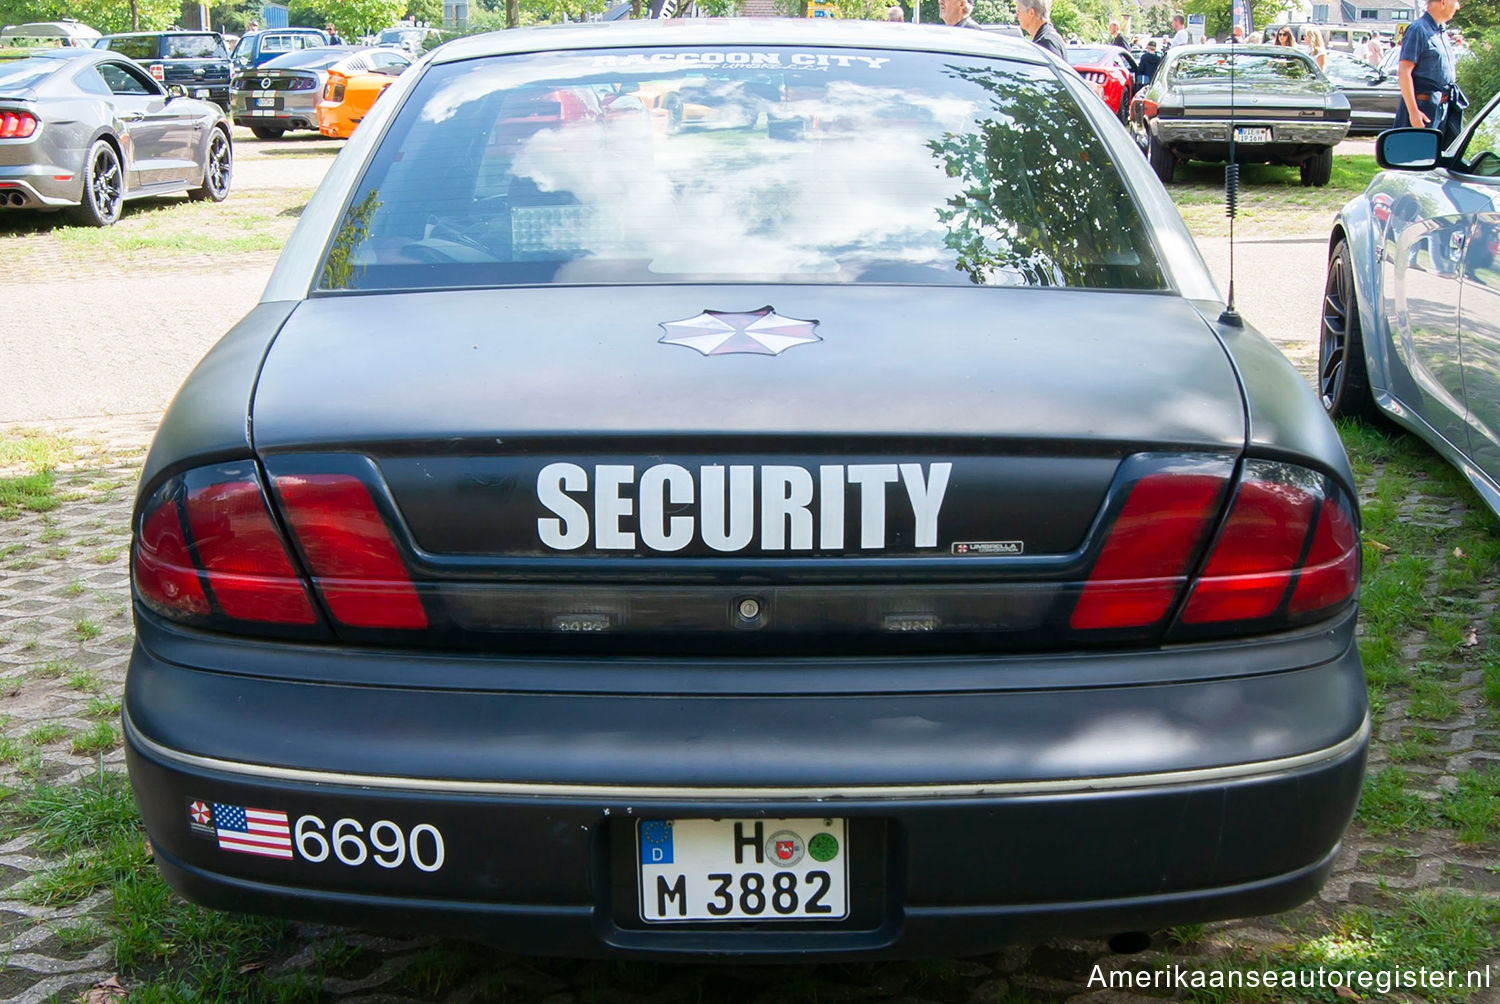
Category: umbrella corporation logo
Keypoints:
(758, 332)
(783, 848)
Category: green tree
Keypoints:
(354, 18)
(106, 15)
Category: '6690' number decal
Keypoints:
(384, 843)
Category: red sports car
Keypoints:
(1110, 69)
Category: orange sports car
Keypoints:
(353, 86)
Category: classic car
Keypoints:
(779, 551)
(352, 86)
(85, 130)
(1411, 315)
(1373, 94)
(1276, 103)
(1110, 67)
(283, 94)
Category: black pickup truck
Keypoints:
(196, 60)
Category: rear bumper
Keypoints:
(1283, 132)
(976, 818)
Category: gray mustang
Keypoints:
(84, 130)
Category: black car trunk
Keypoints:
(921, 461)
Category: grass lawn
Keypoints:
(1272, 198)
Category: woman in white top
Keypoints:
(1313, 39)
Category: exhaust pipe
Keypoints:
(15, 199)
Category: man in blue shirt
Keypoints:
(1430, 97)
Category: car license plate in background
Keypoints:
(265, 102)
(743, 869)
(1249, 135)
(200, 92)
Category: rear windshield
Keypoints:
(134, 46)
(1248, 68)
(289, 43)
(195, 47)
(22, 74)
(314, 60)
(741, 165)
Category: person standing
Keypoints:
(1116, 36)
(1430, 97)
(955, 13)
(1180, 34)
(1145, 68)
(1033, 16)
(1313, 39)
(895, 14)
(333, 36)
(1284, 38)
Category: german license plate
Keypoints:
(743, 869)
(265, 102)
(1251, 135)
(200, 92)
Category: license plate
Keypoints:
(743, 869)
(200, 92)
(1249, 135)
(265, 102)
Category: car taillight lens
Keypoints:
(334, 89)
(209, 551)
(1151, 546)
(349, 550)
(303, 84)
(1149, 108)
(158, 71)
(17, 125)
(1286, 552)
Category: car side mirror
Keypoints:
(1408, 149)
(176, 91)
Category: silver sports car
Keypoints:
(83, 130)
(1411, 313)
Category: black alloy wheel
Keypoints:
(218, 168)
(103, 188)
(1343, 381)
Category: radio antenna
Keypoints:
(1231, 317)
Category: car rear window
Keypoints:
(312, 60)
(289, 43)
(741, 165)
(1249, 68)
(195, 47)
(134, 46)
(21, 74)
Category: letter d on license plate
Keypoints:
(743, 869)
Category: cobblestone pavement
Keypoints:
(65, 637)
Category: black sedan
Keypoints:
(84, 130)
(1373, 94)
(759, 539)
(1274, 101)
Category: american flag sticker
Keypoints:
(252, 831)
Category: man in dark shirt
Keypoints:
(956, 14)
(1117, 37)
(1033, 16)
(1146, 68)
(1430, 96)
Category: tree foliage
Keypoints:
(1479, 75)
(106, 15)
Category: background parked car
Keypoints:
(1112, 69)
(1284, 110)
(352, 85)
(197, 60)
(257, 47)
(1373, 94)
(415, 40)
(83, 130)
(282, 94)
(47, 33)
(1411, 311)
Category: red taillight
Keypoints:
(17, 125)
(158, 71)
(1288, 550)
(1287, 524)
(1141, 570)
(349, 550)
(1149, 108)
(164, 570)
(241, 550)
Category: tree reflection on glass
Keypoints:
(340, 268)
(1041, 203)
